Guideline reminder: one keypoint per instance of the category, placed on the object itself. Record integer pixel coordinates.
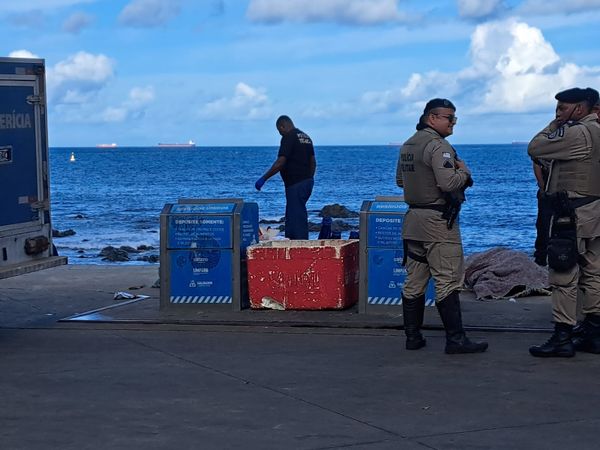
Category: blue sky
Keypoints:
(139, 72)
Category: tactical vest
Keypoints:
(583, 175)
(420, 185)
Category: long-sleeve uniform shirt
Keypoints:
(426, 169)
(572, 141)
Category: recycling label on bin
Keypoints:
(201, 276)
(249, 226)
(385, 230)
(207, 208)
(196, 231)
(391, 207)
(387, 276)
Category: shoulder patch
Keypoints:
(446, 155)
(448, 165)
(560, 132)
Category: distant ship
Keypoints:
(190, 143)
(113, 145)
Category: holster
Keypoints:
(563, 253)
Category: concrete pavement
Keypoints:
(214, 382)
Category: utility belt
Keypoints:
(563, 253)
(449, 210)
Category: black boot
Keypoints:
(586, 335)
(577, 335)
(456, 339)
(559, 343)
(413, 310)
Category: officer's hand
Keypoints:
(460, 164)
(259, 183)
(556, 124)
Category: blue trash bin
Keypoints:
(203, 253)
(381, 253)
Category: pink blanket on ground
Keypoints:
(501, 272)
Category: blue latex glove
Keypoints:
(259, 183)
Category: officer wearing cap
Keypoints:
(433, 179)
(571, 142)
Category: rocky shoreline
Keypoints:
(343, 219)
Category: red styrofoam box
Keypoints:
(303, 274)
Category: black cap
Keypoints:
(576, 95)
(438, 103)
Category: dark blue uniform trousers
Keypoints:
(296, 215)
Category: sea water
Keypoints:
(114, 196)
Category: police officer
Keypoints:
(434, 179)
(572, 143)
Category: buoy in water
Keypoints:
(72, 158)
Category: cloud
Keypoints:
(29, 5)
(480, 9)
(354, 12)
(77, 22)
(78, 78)
(547, 7)
(31, 19)
(513, 69)
(132, 108)
(149, 13)
(247, 103)
(22, 54)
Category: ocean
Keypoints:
(114, 196)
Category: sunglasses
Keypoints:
(451, 118)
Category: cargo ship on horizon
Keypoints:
(190, 143)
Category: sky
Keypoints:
(348, 72)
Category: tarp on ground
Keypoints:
(501, 273)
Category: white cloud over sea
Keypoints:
(77, 22)
(546, 7)
(11, 6)
(79, 77)
(513, 69)
(480, 9)
(356, 12)
(149, 13)
(132, 108)
(246, 103)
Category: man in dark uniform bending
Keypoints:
(434, 180)
(297, 164)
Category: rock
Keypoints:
(145, 248)
(337, 210)
(59, 234)
(128, 249)
(270, 222)
(150, 259)
(336, 225)
(340, 225)
(113, 254)
(314, 227)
